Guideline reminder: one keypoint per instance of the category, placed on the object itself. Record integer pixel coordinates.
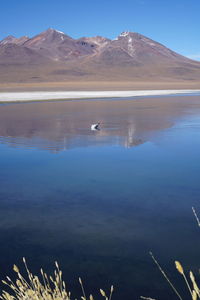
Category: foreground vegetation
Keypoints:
(54, 288)
(46, 288)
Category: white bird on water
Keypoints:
(95, 126)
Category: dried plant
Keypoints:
(46, 288)
(54, 288)
(193, 288)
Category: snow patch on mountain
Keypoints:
(124, 33)
(59, 31)
(131, 49)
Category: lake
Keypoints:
(99, 201)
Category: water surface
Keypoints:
(99, 201)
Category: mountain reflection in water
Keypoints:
(99, 210)
(57, 126)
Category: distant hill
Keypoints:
(54, 56)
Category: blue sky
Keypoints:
(174, 23)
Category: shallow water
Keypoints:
(99, 201)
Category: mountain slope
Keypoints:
(55, 56)
(14, 54)
(139, 50)
(59, 46)
(13, 40)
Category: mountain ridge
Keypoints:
(54, 55)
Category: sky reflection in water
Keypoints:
(99, 201)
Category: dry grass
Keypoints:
(54, 288)
(196, 216)
(46, 288)
(193, 288)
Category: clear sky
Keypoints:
(174, 23)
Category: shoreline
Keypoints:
(73, 95)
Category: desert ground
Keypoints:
(97, 85)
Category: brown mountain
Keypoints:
(58, 46)
(55, 56)
(13, 40)
(97, 41)
(14, 54)
(137, 49)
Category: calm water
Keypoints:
(98, 202)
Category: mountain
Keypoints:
(13, 40)
(58, 46)
(134, 48)
(54, 56)
(14, 54)
(98, 41)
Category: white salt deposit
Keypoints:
(34, 96)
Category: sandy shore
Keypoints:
(61, 95)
